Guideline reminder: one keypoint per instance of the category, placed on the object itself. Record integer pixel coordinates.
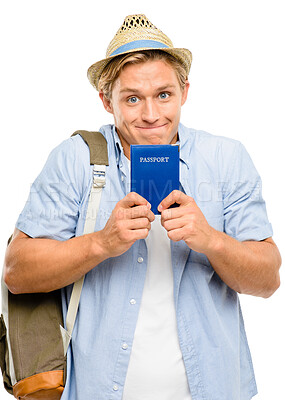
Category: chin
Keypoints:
(155, 141)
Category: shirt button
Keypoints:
(122, 178)
(124, 346)
(115, 387)
(140, 260)
(133, 301)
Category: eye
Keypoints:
(163, 95)
(133, 99)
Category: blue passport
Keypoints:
(154, 171)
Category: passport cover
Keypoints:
(154, 171)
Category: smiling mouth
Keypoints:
(151, 127)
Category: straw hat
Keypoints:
(138, 33)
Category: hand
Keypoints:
(186, 222)
(130, 220)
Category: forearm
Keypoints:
(248, 267)
(42, 265)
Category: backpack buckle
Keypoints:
(99, 179)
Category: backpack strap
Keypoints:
(99, 159)
(97, 146)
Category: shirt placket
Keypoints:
(132, 301)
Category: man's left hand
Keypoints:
(250, 267)
(186, 222)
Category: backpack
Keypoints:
(33, 340)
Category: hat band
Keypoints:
(138, 44)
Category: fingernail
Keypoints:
(159, 207)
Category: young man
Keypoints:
(159, 314)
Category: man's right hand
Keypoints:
(130, 220)
(42, 265)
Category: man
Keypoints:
(159, 314)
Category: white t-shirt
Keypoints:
(156, 370)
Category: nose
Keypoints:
(150, 111)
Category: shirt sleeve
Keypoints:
(52, 209)
(245, 216)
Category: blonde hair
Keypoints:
(114, 68)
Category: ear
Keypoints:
(185, 92)
(106, 103)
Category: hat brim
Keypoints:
(184, 56)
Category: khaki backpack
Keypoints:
(33, 340)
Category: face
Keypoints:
(146, 104)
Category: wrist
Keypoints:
(216, 244)
(98, 247)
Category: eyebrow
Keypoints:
(133, 90)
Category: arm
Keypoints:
(247, 267)
(42, 265)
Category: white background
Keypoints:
(237, 90)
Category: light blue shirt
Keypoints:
(219, 174)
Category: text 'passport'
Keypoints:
(154, 172)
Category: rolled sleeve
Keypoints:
(245, 216)
(52, 208)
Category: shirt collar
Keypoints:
(117, 144)
(183, 141)
(184, 144)
(121, 159)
